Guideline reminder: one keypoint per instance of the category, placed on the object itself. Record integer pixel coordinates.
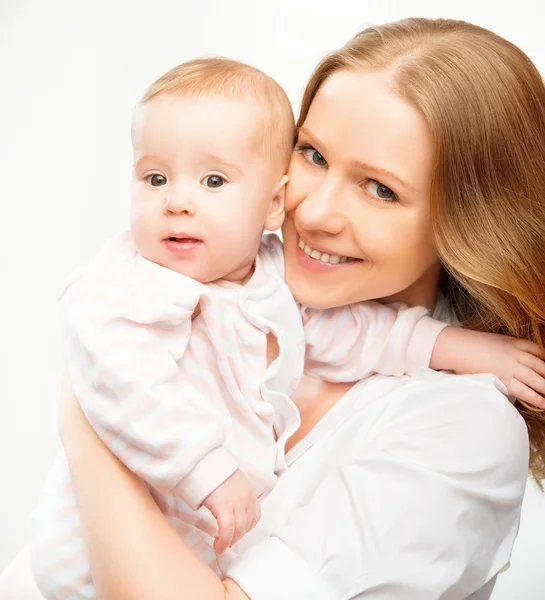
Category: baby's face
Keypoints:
(203, 190)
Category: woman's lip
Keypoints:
(316, 247)
(321, 249)
(317, 266)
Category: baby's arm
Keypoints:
(519, 364)
(351, 342)
(150, 414)
(125, 343)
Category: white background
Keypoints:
(70, 72)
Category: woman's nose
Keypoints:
(178, 203)
(322, 209)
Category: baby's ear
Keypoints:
(275, 218)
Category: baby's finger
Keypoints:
(226, 530)
(531, 348)
(241, 524)
(531, 378)
(254, 513)
(522, 392)
(534, 363)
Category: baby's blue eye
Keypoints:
(156, 180)
(213, 181)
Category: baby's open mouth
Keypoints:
(182, 244)
(186, 240)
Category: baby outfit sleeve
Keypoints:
(426, 507)
(127, 323)
(349, 343)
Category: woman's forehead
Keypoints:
(358, 117)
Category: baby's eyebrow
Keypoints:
(145, 158)
(214, 158)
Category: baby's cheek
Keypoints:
(142, 213)
(141, 225)
(135, 220)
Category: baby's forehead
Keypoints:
(240, 126)
(241, 118)
(200, 130)
(238, 117)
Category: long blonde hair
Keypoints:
(484, 103)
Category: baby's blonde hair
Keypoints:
(226, 78)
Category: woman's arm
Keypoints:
(134, 553)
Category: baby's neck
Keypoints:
(242, 275)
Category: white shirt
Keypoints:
(408, 488)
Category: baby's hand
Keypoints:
(236, 509)
(521, 368)
(519, 364)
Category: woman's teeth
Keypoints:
(332, 259)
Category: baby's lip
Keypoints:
(182, 244)
(182, 237)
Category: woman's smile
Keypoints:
(324, 255)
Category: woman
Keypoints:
(419, 155)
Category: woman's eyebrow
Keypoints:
(358, 164)
(306, 132)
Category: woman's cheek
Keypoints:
(419, 237)
(411, 245)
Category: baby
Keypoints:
(184, 343)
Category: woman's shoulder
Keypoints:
(460, 425)
(484, 394)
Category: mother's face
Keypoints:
(358, 224)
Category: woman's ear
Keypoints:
(275, 218)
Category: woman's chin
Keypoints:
(322, 286)
(314, 295)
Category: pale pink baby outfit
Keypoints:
(184, 402)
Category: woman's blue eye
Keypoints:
(380, 191)
(156, 180)
(312, 156)
(213, 181)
